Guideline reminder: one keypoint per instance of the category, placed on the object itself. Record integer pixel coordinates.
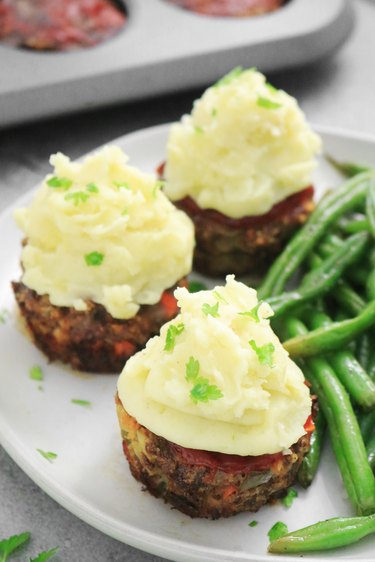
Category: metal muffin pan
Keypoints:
(164, 48)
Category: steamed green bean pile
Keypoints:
(327, 324)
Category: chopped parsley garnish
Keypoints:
(192, 369)
(36, 373)
(196, 286)
(48, 455)
(121, 184)
(45, 555)
(264, 352)
(9, 545)
(267, 103)
(271, 88)
(253, 523)
(125, 212)
(291, 495)
(198, 130)
(228, 78)
(219, 297)
(94, 258)
(214, 112)
(172, 332)
(92, 188)
(63, 183)
(77, 197)
(159, 184)
(253, 313)
(209, 310)
(79, 402)
(202, 390)
(277, 531)
(4, 315)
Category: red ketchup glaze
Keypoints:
(292, 204)
(229, 8)
(232, 463)
(58, 25)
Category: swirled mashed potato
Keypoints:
(245, 147)
(217, 378)
(101, 230)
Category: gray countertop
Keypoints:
(337, 92)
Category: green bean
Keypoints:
(353, 225)
(351, 374)
(343, 427)
(332, 337)
(371, 365)
(330, 244)
(370, 207)
(367, 425)
(348, 298)
(370, 448)
(364, 350)
(323, 278)
(325, 535)
(310, 463)
(348, 169)
(370, 285)
(349, 196)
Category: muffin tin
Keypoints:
(164, 48)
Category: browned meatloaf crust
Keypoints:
(230, 8)
(247, 245)
(91, 340)
(200, 488)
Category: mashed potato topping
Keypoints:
(245, 147)
(217, 378)
(101, 230)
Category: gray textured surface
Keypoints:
(338, 92)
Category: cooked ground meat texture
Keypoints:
(204, 484)
(91, 340)
(59, 25)
(247, 245)
(229, 8)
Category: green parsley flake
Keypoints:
(77, 197)
(271, 88)
(277, 531)
(264, 352)
(214, 112)
(209, 310)
(48, 455)
(253, 523)
(63, 183)
(36, 373)
(267, 103)
(290, 497)
(92, 188)
(196, 286)
(228, 78)
(159, 184)
(172, 332)
(253, 313)
(4, 315)
(9, 545)
(199, 130)
(45, 555)
(219, 297)
(94, 258)
(202, 390)
(79, 402)
(121, 184)
(192, 369)
(125, 212)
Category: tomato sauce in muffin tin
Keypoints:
(59, 26)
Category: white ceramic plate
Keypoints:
(90, 476)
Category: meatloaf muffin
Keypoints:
(102, 253)
(240, 166)
(230, 8)
(214, 415)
